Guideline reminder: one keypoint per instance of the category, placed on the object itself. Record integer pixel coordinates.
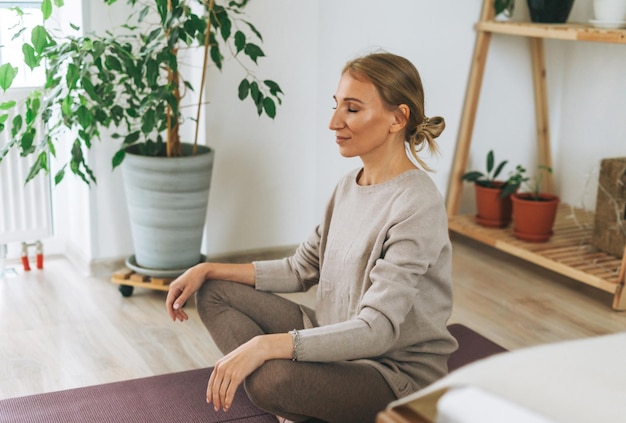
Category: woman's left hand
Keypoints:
(233, 368)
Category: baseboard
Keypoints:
(78, 260)
(106, 267)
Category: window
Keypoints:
(11, 48)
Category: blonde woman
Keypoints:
(381, 258)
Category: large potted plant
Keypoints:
(534, 211)
(127, 85)
(493, 202)
(549, 11)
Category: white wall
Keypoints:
(437, 41)
(272, 178)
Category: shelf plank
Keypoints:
(569, 252)
(568, 31)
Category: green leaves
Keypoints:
(490, 164)
(504, 6)
(26, 142)
(263, 102)
(118, 158)
(240, 41)
(7, 105)
(532, 184)
(244, 89)
(40, 39)
(126, 83)
(216, 56)
(40, 164)
(72, 75)
(148, 121)
(7, 75)
(269, 107)
(30, 58)
(486, 179)
(274, 89)
(46, 8)
(85, 117)
(253, 52)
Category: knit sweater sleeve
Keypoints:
(297, 273)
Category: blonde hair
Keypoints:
(398, 82)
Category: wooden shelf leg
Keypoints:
(541, 109)
(619, 300)
(470, 106)
(464, 138)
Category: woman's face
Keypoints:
(361, 122)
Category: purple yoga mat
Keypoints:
(175, 397)
(472, 346)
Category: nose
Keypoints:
(335, 121)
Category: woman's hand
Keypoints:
(189, 282)
(182, 288)
(231, 370)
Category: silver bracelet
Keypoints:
(296, 343)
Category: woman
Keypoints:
(381, 258)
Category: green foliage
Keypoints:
(123, 81)
(504, 6)
(532, 185)
(7, 74)
(487, 179)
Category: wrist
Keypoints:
(276, 345)
(206, 270)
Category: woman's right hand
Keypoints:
(182, 288)
(189, 282)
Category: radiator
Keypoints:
(25, 210)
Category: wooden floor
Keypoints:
(60, 330)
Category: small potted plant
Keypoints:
(493, 205)
(504, 8)
(534, 211)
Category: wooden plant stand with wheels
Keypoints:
(569, 252)
(128, 279)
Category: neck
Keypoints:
(383, 167)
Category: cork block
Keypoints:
(609, 231)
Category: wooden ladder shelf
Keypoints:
(569, 252)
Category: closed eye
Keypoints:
(349, 102)
(349, 109)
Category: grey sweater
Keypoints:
(382, 260)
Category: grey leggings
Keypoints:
(341, 392)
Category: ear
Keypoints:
(401, 117)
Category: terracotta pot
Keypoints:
(533, 220)
(491, 210)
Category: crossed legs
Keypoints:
(346, 391)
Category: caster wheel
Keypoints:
(126, 290)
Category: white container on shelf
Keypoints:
(609, 13)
